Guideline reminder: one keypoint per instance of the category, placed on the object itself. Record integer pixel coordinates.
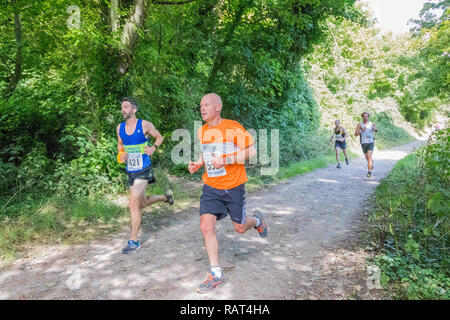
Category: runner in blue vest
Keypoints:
(132, 144)
(340, 134)
(365, 132)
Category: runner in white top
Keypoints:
(365, 131)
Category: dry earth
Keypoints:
(312, 251)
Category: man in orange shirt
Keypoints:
(225, 147)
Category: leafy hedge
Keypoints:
(411, 221)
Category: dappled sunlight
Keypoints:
(345, 270)
(279, 209)
(104, 256)
(55, 269)
(122, 294)
(170, 255)
(7, 274)
(277, 222)
(3, 295)
(226, 292)
(306, 219)
(278, 259)
(391, 155)
(328, 181)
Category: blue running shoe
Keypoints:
(263, 228)
(210, 283)
(131, 247)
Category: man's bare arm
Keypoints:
(120, 148)
(194, 166)
(374, 127)
(357, 129)
(345, 132)
(149, 128)
(238, 157)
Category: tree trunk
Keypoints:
(18, 62)
(130, 35)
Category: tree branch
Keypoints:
(130, 33)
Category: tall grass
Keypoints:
(411, 222)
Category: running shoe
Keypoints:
(131, 247)
(263, 228)
(169, 197)
(210, 283)
(338, 166)
(369, 174)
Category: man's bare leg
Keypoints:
(137, 194)
(208, 228)
(369, 160)
(149, 200)
(250, 222)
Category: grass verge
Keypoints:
(410, 223)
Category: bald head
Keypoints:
(211, 106)
(214, 99)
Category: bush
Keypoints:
(8, 181)
(389, 134)
(411, 221)
(94, 171)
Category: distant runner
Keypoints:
(365, 132)
(132, 144)
(225, 147)
(340, 134)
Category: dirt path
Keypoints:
(309, 253)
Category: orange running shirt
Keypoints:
(227, 137)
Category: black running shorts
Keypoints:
(367, 146)
(341, 144)
(224, 202)
(146, 174)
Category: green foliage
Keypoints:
(358, 66)
(411, 220)
(426, 86)
(69, 92)
(381, 87)
(389, 134)
(34, 217)
(412, 280)
(253, 63)
(9, 172)
(94, 171)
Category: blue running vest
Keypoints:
(135, 145)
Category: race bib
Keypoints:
(339, 137)
(134, 161)
(208, 151)
(135, 153)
